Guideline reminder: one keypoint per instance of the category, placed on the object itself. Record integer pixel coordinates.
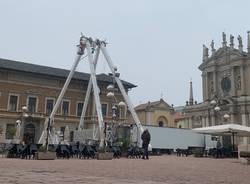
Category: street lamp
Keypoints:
(226, 117)
(24, 108)
(110, 87)
(217, 108)
(121, 104)
(115, 110)
(217, 105)
(213, 102)
(110, 94)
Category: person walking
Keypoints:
(145, 142)
(218, 149)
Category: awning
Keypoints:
(227, 129)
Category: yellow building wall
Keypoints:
(142, 117)
(158, 113)
(154, 116)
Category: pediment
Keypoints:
(227, 51)
(156, 105)
(224, 54)
(161, 105)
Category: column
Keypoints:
(206, 87)
(213, 119)
(233, 82)
(232, 115)
(244, 119)
(203, 120)
(190, 123)
(148, 118)
(215, 81)
(242, 80)
(207, 121)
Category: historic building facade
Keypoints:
(180, 119)
(37, 88)
(225, 84)
(157, 113)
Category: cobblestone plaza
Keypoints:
(159, 169)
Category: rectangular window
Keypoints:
(32, 104)
(79, 109)
(13, 103)
(71, 137)
(117, 111)
(65, 108)
(49, 106)
(104, 109)
(62, 129)
(10, 131)
(121, 112)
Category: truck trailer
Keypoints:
(166, 140)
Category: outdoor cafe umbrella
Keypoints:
(227, 129)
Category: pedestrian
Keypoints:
(218, 149)
(145, 142)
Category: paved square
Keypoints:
(159, 169)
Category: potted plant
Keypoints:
(246, 156)
(104, 153)
(198, 152)
(44, 154)
(124, 145)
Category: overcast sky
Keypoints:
(156, 44)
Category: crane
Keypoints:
(93, 50)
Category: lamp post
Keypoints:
(115, 110)
(47, 135)
(217, 105)
(218, 108)
(20, 123)
(226, 117)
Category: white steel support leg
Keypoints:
(87, 96)
(59, 99)
(131, 108)
(125, 96)
(108, 58)
(96, 95)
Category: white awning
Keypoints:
(227, 129)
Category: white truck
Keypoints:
(164, 139)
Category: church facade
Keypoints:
(156, 113)
(225, 86)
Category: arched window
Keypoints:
(162, 121)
